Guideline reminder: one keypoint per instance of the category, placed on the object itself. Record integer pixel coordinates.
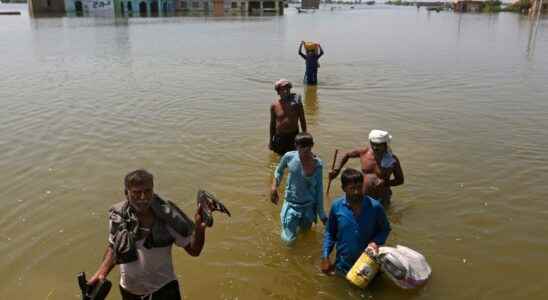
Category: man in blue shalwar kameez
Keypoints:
(304, 189)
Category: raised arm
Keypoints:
(321, 51)
(351, 154)
(301, 50)
(197, 240)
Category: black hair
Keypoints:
(138, 177)
(304, 139)
(349, 176)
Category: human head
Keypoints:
(352, 184)
(283, 87)
(139, 189)
(379, 139)
(304, 143)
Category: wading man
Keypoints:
(311, 58)
(379, 160)
(285, 115)
(304, 189)
(143, 229)
(356, 223)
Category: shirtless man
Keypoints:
(285, 115)
(376, 159)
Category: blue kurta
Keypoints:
(351, 234)
(303, 195)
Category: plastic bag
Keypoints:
(407, 268)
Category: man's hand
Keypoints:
(326, 267)
(334, 173)
(372, 248)
(96, 278)
(274, 198)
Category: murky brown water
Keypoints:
(83, 101)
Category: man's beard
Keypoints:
(355, 198)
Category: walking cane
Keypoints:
(332, 168)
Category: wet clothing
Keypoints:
(124, 228)
(351, 234)
(282, 144)
(169, 291)
(144, 254)
(303, 195)
(312, 65)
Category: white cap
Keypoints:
(379, 136)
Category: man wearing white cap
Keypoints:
(285, 115)
(379, 160)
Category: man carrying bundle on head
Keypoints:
(377, 159)
(304, 189)
(285, 115)
(311, 57)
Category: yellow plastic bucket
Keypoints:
(363, 271)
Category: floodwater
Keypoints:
(83, 101)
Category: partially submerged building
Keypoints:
(468, 5)
(154, 7)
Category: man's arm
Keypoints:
(351, 154)
(398, 174)
(105, 267)
(321, 51)
(278, 176)
(320, 211)
(302, 119)
(272, 126)
(329, 238)
(301, 50)
(194, 248)
(382, 227)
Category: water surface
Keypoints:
(83, 101)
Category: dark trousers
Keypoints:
(283, 143)
(169, 291)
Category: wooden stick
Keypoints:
(332, 168)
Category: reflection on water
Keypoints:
(84, 100)
(311, 105)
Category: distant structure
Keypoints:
(154, 7)
(468, 5)
(38, 7)
(310, 4)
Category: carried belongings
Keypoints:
(311, 46)
(208, 204)
(407, 268)
(98, 291)
(363, 270)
